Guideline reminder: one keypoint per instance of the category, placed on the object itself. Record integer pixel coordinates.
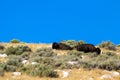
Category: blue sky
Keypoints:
(47, 21)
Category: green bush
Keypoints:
(75, 53)
(17, 50)
(88, 64)
(43, 70)
(35, 58)
(26, 69)
(13, 63)
(43, 60)
(62, 61)
(70, 43)
(107, 65)
(73, 43)
(65, 66)
(2, 65)
(25, 55)
(44, 52)
(10, 50)
(15, 41)
(118, 45)
(110, 54)
(2, 68)
(108, 45)
(91, 55)
(10, 68)
(81, 42)
(107, 61)
(45, 49)
(15, 57)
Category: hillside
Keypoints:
(77, 72)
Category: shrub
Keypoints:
(24, 48)
(44, 52)
(81, 42)
(35, 58)
(62, 61)
(70, 43)
(88, 64)
(75, 53)
(13, 63)
(108, 45)
(110, 54)
(15, 57)
(66, 66)
(118, 45)
(43, 70)
(48, 61)
(73, 43)
(91, 54)
(10, 68)
(111, 48)
(107, 61)
(45, 49)
(2, 67)
(15, 41)
(44, 60)
(10, 50)
(107, 65)
(25, 69)
(25, 55)
(17, 50)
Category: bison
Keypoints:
(87, 48)
(2, 47)
(61, 46)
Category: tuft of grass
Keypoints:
(107, 45)
(15, 41)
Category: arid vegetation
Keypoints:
(41, 62)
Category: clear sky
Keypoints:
(47, 21)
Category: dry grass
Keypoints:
(33, 46)
(75, 74)
(3, 59)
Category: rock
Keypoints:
(25, 62)
(66, 74)
(34, 63)
(115, 74)
(73, 62)
(106, 76)
(91, 78)
(3, 55)
(17, 74)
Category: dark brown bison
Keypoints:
(87, 48)
(61, 46)
(2, 47)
